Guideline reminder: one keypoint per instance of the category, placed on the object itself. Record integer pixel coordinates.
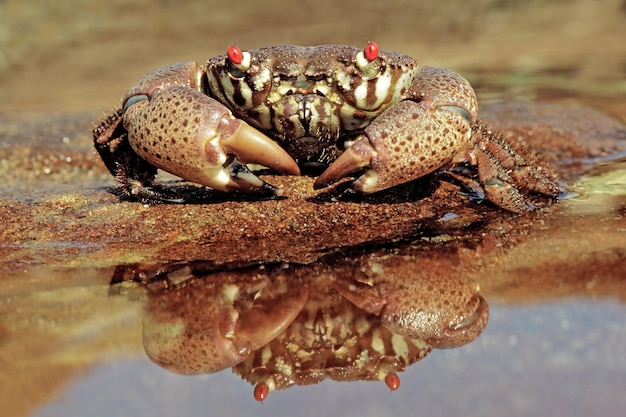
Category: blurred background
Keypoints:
(69, 55)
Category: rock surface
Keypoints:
(59, 203)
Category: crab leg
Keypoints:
(197, 138)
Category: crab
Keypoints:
(366, 113)
(281, 326)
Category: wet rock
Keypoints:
(57, 201)
(572, 137)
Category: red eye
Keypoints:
(371, 51)
(392, 381)
(235, 55)
(260, 392)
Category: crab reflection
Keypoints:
(280, 325)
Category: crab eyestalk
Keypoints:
(393, 381)
(366, 60)
(261, 392)
(371, 51)
(240, 60)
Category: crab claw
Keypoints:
(407, 141)
(250, 146)
(202, 329)
(184, 132)
(444, 311)
(360, 155)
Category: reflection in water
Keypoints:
(282, 325)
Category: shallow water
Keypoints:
(555, 343)
(532, 360)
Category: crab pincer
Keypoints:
(207, 144)
(407, 141)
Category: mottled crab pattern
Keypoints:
(278, 328)
(366, 112)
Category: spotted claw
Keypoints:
(180, 336)
(445, 312)
(407, 141)
(206, 144)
